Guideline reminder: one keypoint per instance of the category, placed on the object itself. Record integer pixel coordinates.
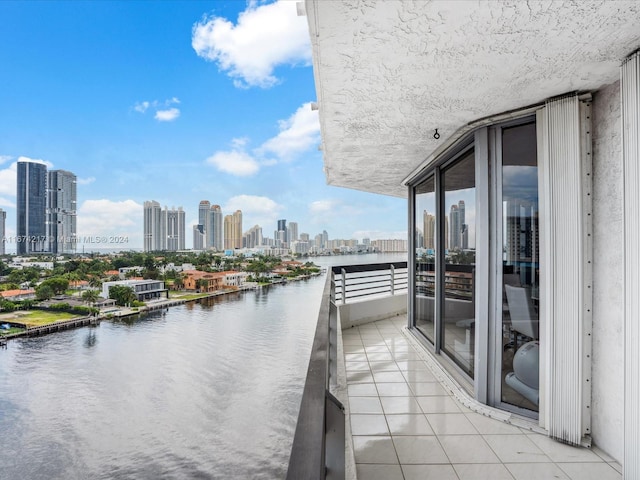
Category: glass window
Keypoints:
(520, 267)
(425, 232)
(458, 311)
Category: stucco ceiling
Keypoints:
(389, 73)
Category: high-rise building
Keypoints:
(217, 227)
(153, 231)
(174, 227)
(253, 237)
(198, 237)
(61, 212)
(233, 230)
(204, 220)
(31, 207)
(292, 232)
(3, 218)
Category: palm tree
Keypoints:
(90, 296)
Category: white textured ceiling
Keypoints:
(388, 73)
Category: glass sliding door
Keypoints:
(519, 287)
(425, 232)
(458, 215)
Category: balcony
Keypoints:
(378, 405)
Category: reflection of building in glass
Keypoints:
(459, 236)
(522, 236)
(429, 230)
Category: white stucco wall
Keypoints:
(359, 313)
(608, 288)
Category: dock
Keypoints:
(57, 326)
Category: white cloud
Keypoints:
(8, 179)
(256, 210)
(167, 115)
(112, 221)
(5, 158)
(141, 106)
(235, 162)
(265, 37)
(297, 134)
(35, 160)
(85, 181)
(163, 114)
(324, 206)
(5, 202)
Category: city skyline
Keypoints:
(164, 229)
(177, 102)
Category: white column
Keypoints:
(630, 95)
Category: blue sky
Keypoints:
(175, 102)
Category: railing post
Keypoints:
(393, 279)
(344, 286)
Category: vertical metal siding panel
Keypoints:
(630, 97)
(566, 243)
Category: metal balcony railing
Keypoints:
(355, 282)
(318, 450)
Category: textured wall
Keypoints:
(388, 73)
(608, 285)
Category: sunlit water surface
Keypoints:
(203, 390)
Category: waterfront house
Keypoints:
(203, 281)
(144, 290)
(18, 295)
(513, 131)
(213, 281)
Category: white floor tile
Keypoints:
(482, 471)
(424, 389)
(451, 424)
(559, 452)
(362, 390)
(367, 471)
(516, 449)
(357, 366)
(419, 450)
(407, 424)
(395, 405)
(389, 377)
(394, 390)
(419, 376)
(356, 376)
(590, 471)
(374, 450)
(369, 425)
(467, 449)
(490, 426)
(422, 472)
(369, 405)
(536, 471)
(439, 404)
(384, 367)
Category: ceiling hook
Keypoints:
(436, 135)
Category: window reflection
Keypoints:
(459, 276)
(520, 260)
(425, 257)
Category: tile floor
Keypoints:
(406, 425)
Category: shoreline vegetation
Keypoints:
(33, 322)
